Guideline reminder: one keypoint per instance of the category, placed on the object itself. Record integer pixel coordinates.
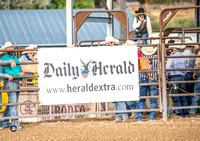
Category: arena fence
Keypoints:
(163, 93)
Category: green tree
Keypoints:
(78, 4)
(24, 4)
(83, 4)
(57, 4)
(154, 1)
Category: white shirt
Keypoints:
(137, 24)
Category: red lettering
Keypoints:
(57, 111)
(70, 111)
(82, 109)
(63, 110)
(76, 110)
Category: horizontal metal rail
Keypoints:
(29, 82)
(21, 63)
(85, 113)
(188, 69)
(18, 50)
(20, 90)
(185, 107)
(152, 38)
(31, 93)
(197, 56)
(143, 71)
(177, 82)
(147, 97)
(187, 44)
(174, 95)
(26, 76)
(13, 104)
(148, 84)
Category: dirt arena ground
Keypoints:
(104, 128)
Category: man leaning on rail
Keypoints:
(11, 111)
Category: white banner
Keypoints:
(88, 74)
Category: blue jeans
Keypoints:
(143, 92)
(189, 87)
(11, 111)
(196, 90)
(143, 36)
(120, 106)
(179, 101)
(131, 105)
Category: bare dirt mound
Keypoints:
(104, 128)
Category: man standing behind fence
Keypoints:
(148, 78)
(11, 111)
(189, 63)
(142, 25)
(13, 64)
(177, 63)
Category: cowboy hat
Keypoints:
(178, 47)
(7, 44)
(148, 50)
(140, 10)
(30, 47)
(110, 39)
(195, 46)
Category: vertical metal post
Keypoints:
(197, 17)
(122, 5)
(159, 77)
(110, 30)
(164, 92)
(106, 109)
(69, 18)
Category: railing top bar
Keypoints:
(177, 82)
(27, 76)
(174, 44)
(20, 90)
(183, 56)
(143, 71)
(21, 63)
(83, 113)
(11, 104)
(188, 69)
(15, 50)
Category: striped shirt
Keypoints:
(153, 64)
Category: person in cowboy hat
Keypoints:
(150, 77)
(29, 55)
(12, 96)
(110, 41)
(196, 76)
(177, 63)
(142, 25)
(13, 64)
(189, 63)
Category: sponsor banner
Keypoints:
(63, 109)
(88, 74)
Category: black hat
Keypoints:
(140, 10)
